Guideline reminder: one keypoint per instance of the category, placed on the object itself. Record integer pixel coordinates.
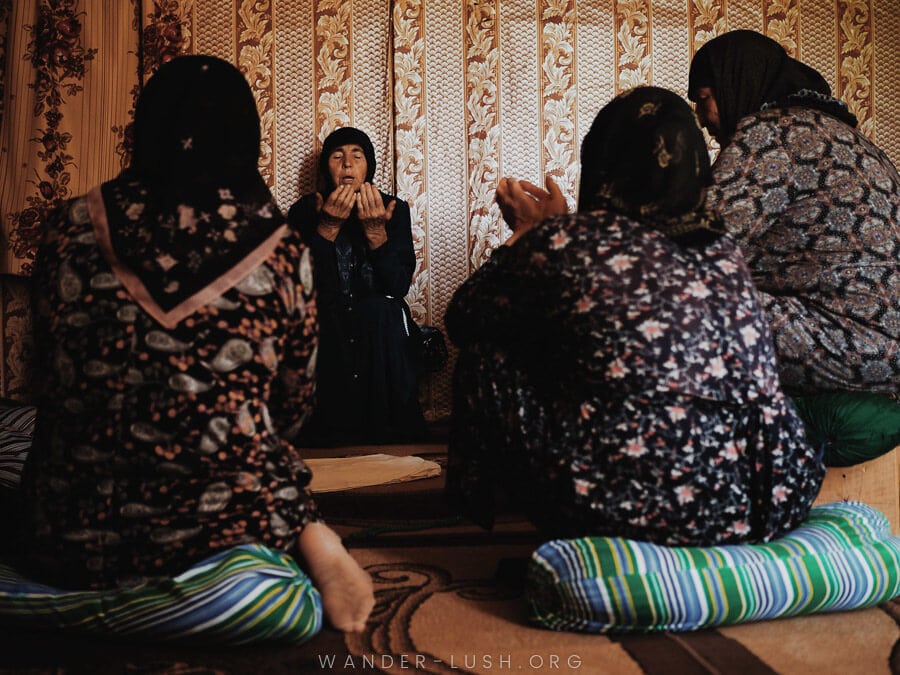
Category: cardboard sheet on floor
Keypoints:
(331, 474)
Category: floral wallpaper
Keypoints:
(454, 93)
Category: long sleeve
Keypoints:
(294, 388)
(394, 262)
(513, 297)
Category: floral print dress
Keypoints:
(612, 382)
(815, 209)
(162, 428)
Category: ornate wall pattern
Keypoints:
(333, 35)
(410, 139)
(633, 44)
(559, 94)
(5, 10)
(454, 93)
(255, 54)
(855, 52)
(481, 54)
(781, 22)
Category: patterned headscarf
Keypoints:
(337, 138)
(748, 71)
(192, 204)
(645, 156)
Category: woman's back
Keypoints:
(641, 315)
(616, 374)
(156, 445)
(815, 208)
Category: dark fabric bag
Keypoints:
(434, 349)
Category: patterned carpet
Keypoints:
(449, 600)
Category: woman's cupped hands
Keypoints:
(524, 204)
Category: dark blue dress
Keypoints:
(366, 367)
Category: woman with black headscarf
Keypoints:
(814, 207)
(361, 239)
(175, 329)
(616, 375)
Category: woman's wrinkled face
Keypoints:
(347, 166)
(708, 111)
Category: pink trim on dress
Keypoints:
(170, 319)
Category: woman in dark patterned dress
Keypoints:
(362, 246)
(815, 209)
(176, 332)
(616, 374)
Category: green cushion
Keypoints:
(842, 558)
(851, 427)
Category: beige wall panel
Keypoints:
(445, 163)
(634, 65)
(371, 77)
(670, 48)
(747, 14)
(818, 36)
(255, 57)
(855, 59)
(781, 22)
(596, 61)
(109, 82)
(520, 98)
(887, 77)
(295, 142)
(215, 31)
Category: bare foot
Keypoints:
(346, 588)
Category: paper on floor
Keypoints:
(331, 474)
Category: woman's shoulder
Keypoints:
(304, 205)
(603, 232)
(785, 120)
(401, 204)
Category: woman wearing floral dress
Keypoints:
(175, 331)
(616, 374)
(814, 206)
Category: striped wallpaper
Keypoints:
(454, 93)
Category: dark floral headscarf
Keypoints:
(645, 156)
(748, 71)
(192, 205)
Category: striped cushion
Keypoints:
(17, 417)
(843, 557)
(243, 595)
(14, 448)
(16, 431)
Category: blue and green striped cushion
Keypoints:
(843, 557)
(244, 595)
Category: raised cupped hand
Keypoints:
(524, 204)
(373, 214)
(334, 211)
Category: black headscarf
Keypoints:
(748, 71)
(337, 138)
(645, 156)
(192, 205)
(195, 125)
